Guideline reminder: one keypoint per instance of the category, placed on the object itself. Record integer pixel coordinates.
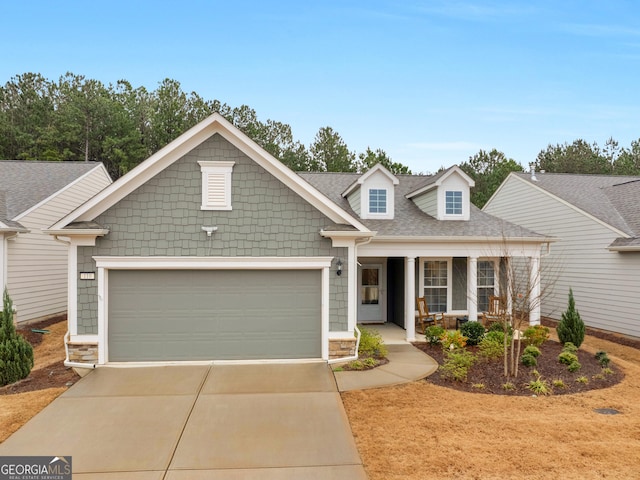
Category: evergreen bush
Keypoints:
(16, 354)
(571, 327)
(474, 331)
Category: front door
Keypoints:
(370, 293)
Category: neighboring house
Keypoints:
(596, 219)
(34, 195)
(212, 249)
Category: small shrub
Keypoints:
(558, 384)
(495, 335)
(571, 327)
(532, 350)
(479, 386)
(453, 340)
(456, 364)
(567, 357)
(603, 358)
(528, 360)
(356, 365)
(433, 334)
(569, 347)
(508, 386)
(536, 335)
(598, 376)
(490, 348)
(539, 386)
(371, 344)
(500, 327)
(369, 362)
(582, 379)
(607, 371)
(474, 331)
(574, 366)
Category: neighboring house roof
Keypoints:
(409, 220)
(611, 199)
(26, 183)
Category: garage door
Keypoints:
(213, 314)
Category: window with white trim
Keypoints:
(377, 200)
(486, 283)
(436, 284)
(453, 202)
(216, 185)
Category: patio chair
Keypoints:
(424, 318)
(497, 311)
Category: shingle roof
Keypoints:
(408, 219)
(25, 183)
(615, 200)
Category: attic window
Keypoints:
(453, 203)
(216, 185)
(377, 200)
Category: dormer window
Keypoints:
(453, 202)
(377, 200)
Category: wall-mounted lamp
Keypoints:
(209, 230)
(339, 269)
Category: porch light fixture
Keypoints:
(339, 269)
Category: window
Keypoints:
(216, 185)
(435, 285)
(370, 286)
(486, 284)
(377, 200)
(453, 203)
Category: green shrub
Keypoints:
(16, 354)
(602, 358)
(567, 357)
(574, 366)
(474, 331)
(571, 327)
(536, 335)
(490, 347)
(433, 334)
(532, 350)
(528, 360)
(569, 347)
(356, 365)
(607, 371)
(371, 344)
(499, 327)
(453, 340)
(456, 364)
(539, 386)
(369, 362)
(558, 384)
(582, 379)
(508, 386)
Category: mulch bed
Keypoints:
(35, 338)
(490, 373)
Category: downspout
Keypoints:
(363, 241)
(67, 363)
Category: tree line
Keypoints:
(80, 119)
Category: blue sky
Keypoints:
(430, 82)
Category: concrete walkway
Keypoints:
(227, 422)
(406, 363)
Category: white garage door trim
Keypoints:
(104, 264)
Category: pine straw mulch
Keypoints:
(423, 430)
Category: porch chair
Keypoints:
(497, 311)
(424, 318)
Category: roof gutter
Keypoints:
(459, 239)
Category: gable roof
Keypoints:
(409, 220)
(363, 177)
(436, 180)
(611, 199)
(25, 184)
(163, 158)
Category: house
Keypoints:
(596, 219)
(34, 195)
(212, 249)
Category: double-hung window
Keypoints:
(436, 284)
(453, 202)
(486, 283)
(377, 200)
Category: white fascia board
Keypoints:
(99, 166)
(346, 234)
(362, 178)
(634, 248)
(213, 263)
(407, 239)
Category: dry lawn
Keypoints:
(420, 431)
(18, 409)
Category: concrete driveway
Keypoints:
(278, 421)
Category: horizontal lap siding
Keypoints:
(605, 284)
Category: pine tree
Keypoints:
(571, 327)
(16, 354)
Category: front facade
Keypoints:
(34, 195)
(597, 223)
(212, 250)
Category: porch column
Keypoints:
(409, 298)
(534, 298)
(472, 289)
(509, 293)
